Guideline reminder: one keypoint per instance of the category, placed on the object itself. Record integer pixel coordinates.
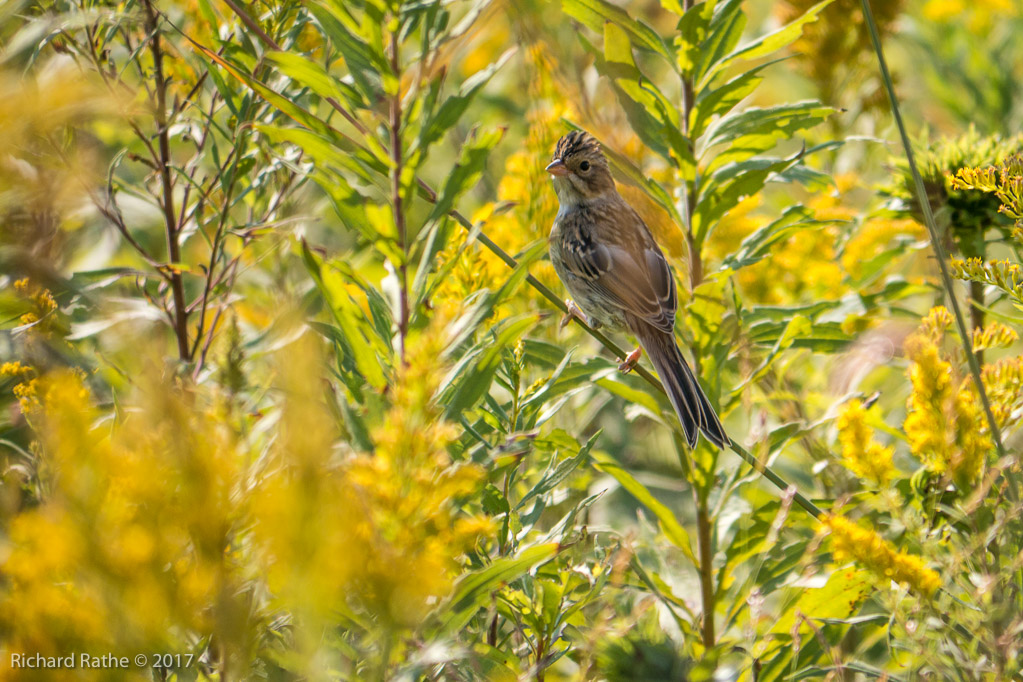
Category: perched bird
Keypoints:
(618, 276)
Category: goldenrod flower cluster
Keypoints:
(852, 542)
(162, 523)
(978, 16)
(994, 335)
(377, 532)
(1005, 182)
(804, 265)
(14, 369)
(1000, 273)
(944, 420)
(861, 454)
(128, 545)
(1004, 384)
(41, 302)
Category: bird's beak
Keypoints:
(557, 167)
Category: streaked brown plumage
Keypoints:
(617, 275)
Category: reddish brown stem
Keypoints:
(167, 202)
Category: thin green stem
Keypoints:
(704, 536)
(932, 229)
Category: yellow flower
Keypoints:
(1004, 384)
(13, 369)
(803, 266)
(860, 453)
(936, 323)
(852, 542)
(124, 502)
(25, 392)
(943, 10)
(943, 424)
(995, 335)
(380, 530)
(872, 238)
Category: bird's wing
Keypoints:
(624, 264)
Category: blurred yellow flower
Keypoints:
(381, 530)
(943, 424)
(861, 454)
(90, 567)
(852, 542)
(979, 15)
(872, 238)
(14, 369)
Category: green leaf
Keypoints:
(595, 13)
(670, 525)
(820, 337)
(758, 245)
(723, 34)
(473, 590)
(367, 65)
(783, 313)
(772, 42)
(840, 597)
(756, 129)
(652, 115)
(692, 32)
(559, 471)
(613, 383)
(475, 374)
(305, 72)
(725, 189)
(353, 330)
(721, 100)
(453, 107)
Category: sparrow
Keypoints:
(618, 277)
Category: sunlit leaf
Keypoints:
(670, 525)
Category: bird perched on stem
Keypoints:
(618, 276)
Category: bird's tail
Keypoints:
(686, 396)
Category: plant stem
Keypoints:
(939, 250)
(688, 197)
(704, 535)
(167, 203)
(396, 199)
(976, 312)
(704, 521)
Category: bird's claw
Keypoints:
(573, 311)
(630, 361)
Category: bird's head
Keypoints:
(580, 169)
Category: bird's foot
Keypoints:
(573, 311)
(630, 361)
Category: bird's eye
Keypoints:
(584, 166)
